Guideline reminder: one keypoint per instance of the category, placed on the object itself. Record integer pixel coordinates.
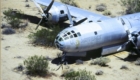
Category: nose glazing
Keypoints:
(58, 42)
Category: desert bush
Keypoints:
(36, 65)
(13, 17)
(131, 5)
(45, 37)
(102, 61)
(69, 2)
(107, 13)
(78, 75)
(101, 7)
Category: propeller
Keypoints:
(62, 61)
(132, 40)
(135, 47)
(72, 23)
(45, 13)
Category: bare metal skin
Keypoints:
(94, 31)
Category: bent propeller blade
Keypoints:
(49, 7)
(38, 7)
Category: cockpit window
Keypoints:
(75, 35)
(71, 36)
(65, 35)
(57, 37)
(78, 34)
(66, 38)
(60, 39)
(68, 33)
(72, 31)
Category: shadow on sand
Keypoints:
(129, 58)
(71, 59)
(35, 20)
(93, 54)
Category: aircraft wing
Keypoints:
(76, 12)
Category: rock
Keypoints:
(27, 5)
(99, 72)
(2, 38)
(19, 68)
(124, 67)
(79, 61)
(5, 25)
(7, 47)
(26, 0)
(101, 7)
(8, 31)
(23, 25)
(48, 58)
(137, 62)
(19, 57)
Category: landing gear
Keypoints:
(63, 60)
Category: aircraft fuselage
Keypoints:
(93, 35)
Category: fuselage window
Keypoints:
(62, 12)
(90, 21)
(95, 32)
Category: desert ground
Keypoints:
(15, 48)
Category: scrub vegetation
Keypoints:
(69, 2)
(45, 37)
(13, 17)
(131, 5)
(78, 75)
(102, 61)
(36, 65)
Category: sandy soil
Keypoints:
(17, 45)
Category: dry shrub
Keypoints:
(13, 17)
(131, 5)
(102, 61)
(45, 37)
(36, 65)
(78, 75)
(69, 2)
